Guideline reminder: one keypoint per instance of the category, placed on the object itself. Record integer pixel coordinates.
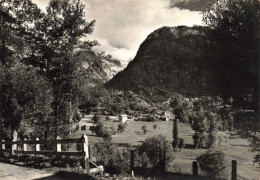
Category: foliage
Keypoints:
(233, 33)
(254, 143)
(153, 148)
(246, 122)
(257, 159)
(181, 107)
(96, 118)
(144, 128)
(26, 99)
(175, 133)
(101, 131)
(115, 159)
(48, 44)
(182, 143)
(154, 126)
(121, 127)
(213, 163)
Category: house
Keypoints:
(167, 116)
(123, 118)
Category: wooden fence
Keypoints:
(58, 141)
(85, 152)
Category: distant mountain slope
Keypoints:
(167, 62)
(99, 68)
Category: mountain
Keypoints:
(168, 61)
(99, 67)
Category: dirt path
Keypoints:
(13, 172)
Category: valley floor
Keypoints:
(235, 148)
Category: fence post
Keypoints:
(25, 145)
(84, 142)
(58, 145)
(132, 165)
(3, 144)
(164, 160)
(37, 146)
(234, 170)
(195, 168)
(14, 146)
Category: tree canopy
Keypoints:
(233, 30)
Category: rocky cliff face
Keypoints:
(99, 68)
(168, 61)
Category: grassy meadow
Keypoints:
(234, 148)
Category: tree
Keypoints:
(153, 148)
(26, 99)
(213, 163)
(256, 159)
(154, 126)
(233, 28)
(114, 158)
(52, 41)
(92, 129)
(175, 133)
(196, 140)
(181, 144)
(96, 118)
(121, 127)
(144, 129)
(212, 130)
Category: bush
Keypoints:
(76, 117)
(213, 163)
(175, 143)
(77, 127)
(144, 129)
(153, 148)
(113, 158)
(96, 118)
(181, 144)
(121, 127)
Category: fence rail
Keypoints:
(85, 152)
(58, 141)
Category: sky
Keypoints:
(122, 25)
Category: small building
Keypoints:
(123, 118)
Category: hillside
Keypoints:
(168, 61)
(99, 67)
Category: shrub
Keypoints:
(175, 143)
(153, 148)
(113, 158)
(121, 127)
(96, 118)
(144, 129)
(213, 163)
(76, 117)
(77, 127)
(257, 160)
(181, 144)
(154, 126)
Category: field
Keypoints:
(234, 149)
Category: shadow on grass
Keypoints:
(189, 146)
(64, 175)
(159, 175)
(138, 132)
(242, 145)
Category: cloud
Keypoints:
(122, 25)
(193, 5)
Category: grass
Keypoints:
(235, 149)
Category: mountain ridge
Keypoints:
(167, 60)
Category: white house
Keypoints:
(123, 118)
